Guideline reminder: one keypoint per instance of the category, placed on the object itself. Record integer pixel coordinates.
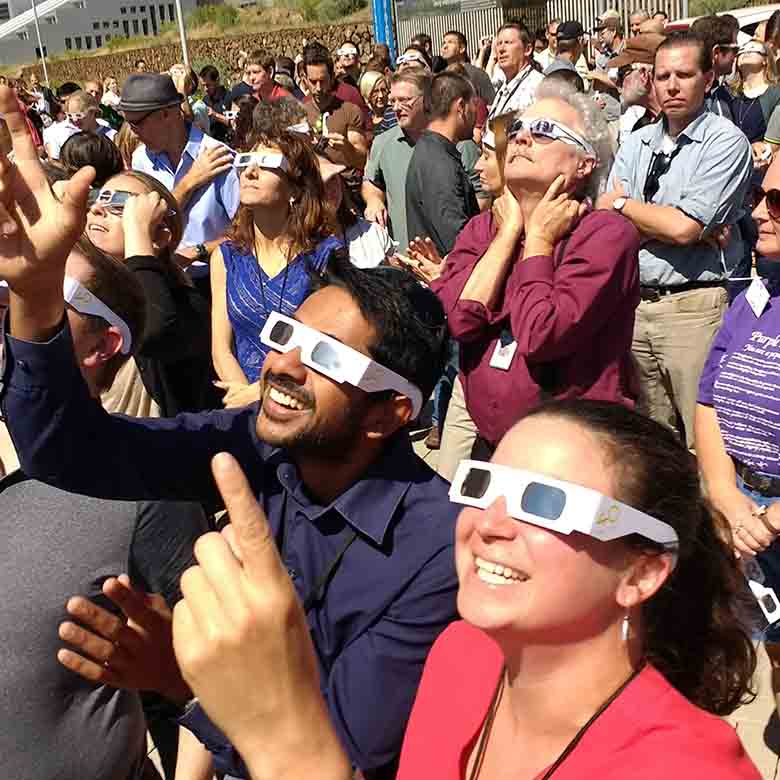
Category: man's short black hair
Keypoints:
(446, 88)
(67, 89)
(209, 72)
(315, 53)
(687, 38)
(462, 40)
(422, 39)
(411, 329)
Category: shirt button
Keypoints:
(22, 364)
(293, 574)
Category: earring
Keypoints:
(625, 628)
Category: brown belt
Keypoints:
(761, 483)
(655, 294)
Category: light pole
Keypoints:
(40, 43)
(182, 35)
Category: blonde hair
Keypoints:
(107, 80)
(368, 82)
(770, 70)
(127, 142)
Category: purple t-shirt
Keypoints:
(741, 380)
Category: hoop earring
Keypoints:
(625, 628)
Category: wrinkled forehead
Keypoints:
(552, 108)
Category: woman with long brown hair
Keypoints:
(283, 230)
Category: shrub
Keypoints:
(221, 16)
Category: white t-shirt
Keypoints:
(110, 99)
(56, 135)
(369, 244)
(517, 94)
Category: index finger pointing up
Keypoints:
(24, 148)
(252, 534)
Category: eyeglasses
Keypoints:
(231, 115)
(260, 160)
(660, 164)
(405, 59)
(772, 201)
(136, 123)
(76, 116)
(404, 102)
(113, 201)
(83, 301)
(551, 130)
(559, 506)
(335, 360)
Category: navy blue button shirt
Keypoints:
(394, 590)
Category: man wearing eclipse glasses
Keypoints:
(362, 524)
(682, 181)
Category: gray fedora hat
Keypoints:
(148, 92)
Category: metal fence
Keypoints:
(486, 20)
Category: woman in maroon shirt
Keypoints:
(540, 292)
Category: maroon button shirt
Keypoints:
(572, 316)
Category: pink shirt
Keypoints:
(649, 732)
(571, 315)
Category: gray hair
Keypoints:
(596, 129)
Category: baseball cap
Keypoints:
(558, 64)
(609, 19)
(569, 31)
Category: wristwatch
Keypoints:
(203, 254)
(619, 204)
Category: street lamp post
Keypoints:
(182, 35)
(40, 43)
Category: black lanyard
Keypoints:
(494, 109)
(316, 593)
(567, 751)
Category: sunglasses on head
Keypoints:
(772, 201)
(551, 130)
(113, 201)
(559, 506)
(261, 160)
(83, 301)
(337, 361)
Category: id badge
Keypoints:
(757, 296)
(504, 351)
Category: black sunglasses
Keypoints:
(659, 165)
(772, 201)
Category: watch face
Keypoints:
(618, 204)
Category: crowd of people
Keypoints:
(229, 308)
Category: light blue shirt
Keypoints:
(708, 181)
(211, 208)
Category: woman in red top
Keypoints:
(540, 292)
(583, 658)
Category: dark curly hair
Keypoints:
(694, 630)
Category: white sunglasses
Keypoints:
(542, 127)
(231, 114)
(559, 506)
(113, 201)
(302, 127)
(330, 357)
(268, 161)
(77, 116)
(85, 302)
(414, 57)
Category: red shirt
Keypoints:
(650, 732)
(571, 315)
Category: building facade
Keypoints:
(78, 25)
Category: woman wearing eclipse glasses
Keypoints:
(540, 292)
(737, 429)
(601, 631)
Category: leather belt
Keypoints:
(761, 483)
(655, 294)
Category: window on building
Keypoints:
(95, 25)
(98, 41)
(79, 4)
(68, 44)
(78, 41)
(5, 12)
(171, 12)
(88, 41)
(106, 25)
(145, 25)
(135, 26)
(126, 26)
(142, 9)
(23, 35)
(162, 12)
(123, 10)
(132, 9)
(108, 37)
(50, 19)
(38, 52)
(116, 24)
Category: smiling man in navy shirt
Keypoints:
(364, 526)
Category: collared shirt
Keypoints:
(707, 180)
(394, 590)
(440, 199)
(388, 163)
(55, 136)
(517, 94)
(571, 316)
(210, 209)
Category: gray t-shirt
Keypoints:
(56, 545)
